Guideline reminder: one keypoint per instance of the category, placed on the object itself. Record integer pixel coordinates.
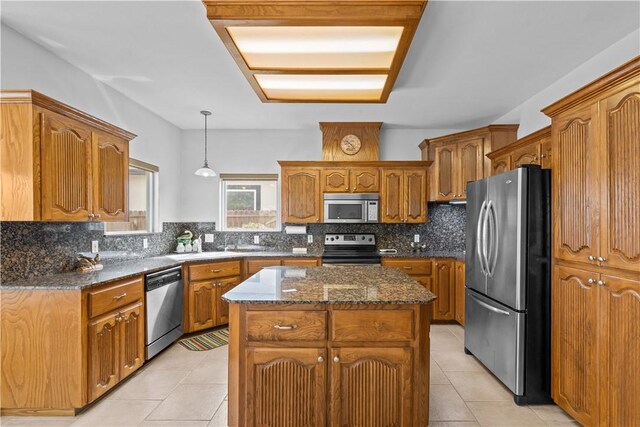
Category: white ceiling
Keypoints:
(469, 63)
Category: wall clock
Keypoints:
(350, 144)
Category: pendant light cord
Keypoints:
(206, 162)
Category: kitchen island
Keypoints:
(332, 346)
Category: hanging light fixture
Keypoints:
(205, 170)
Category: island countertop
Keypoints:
(329, 285)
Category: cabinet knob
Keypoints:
(320, 359)
(601, 259)
(591, 281)
(336, 359)
(592, 258)
(346, 188)
(601, 282)
(91, 216)
(97, 215)
(118, 318)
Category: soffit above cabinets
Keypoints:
(316, 50)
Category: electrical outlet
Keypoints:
(145, 243)
(256, 240)
(309, 238)
(208, 238)
(94, 246)
(416, 238)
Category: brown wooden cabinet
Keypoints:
(460, 158)
(444, 284)
(222, 307)
(286, 384)
(596, 281)
(104, 366)
(301, 195)
(350, 180)
(403, 196)
(202, 305)
(459, 292)
(533, 149)
(60, 164)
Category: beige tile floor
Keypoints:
(188, 388)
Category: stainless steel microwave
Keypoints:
(351, 207)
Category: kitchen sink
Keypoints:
(202, 255)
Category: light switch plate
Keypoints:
(208, 238)
(416, 238)
(309, 238)
(94, 246)
(145, 243)
(256, 240)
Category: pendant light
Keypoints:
(205, 170)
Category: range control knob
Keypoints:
(332, 239)
(370, 239)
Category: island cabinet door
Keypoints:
(286, 387)
(371, 387)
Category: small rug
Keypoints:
(207, 341)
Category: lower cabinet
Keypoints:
(459, 292)
(202, 305)
(596, 346)
(444, 306)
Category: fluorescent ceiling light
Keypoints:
(322, 81)
(316, 39)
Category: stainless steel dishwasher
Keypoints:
(163, 309)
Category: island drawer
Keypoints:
(372, 325)
(410, 266)
(214, 270)
(286, 325)
(108, 298)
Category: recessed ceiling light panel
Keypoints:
(350, 87)
(297, 47)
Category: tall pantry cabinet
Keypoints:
(596, 282)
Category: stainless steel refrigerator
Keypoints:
(507, 279)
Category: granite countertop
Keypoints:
(329, 285)
(125, 269)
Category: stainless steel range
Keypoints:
(350, 249)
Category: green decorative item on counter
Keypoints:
(185, 237)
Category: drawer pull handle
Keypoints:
(406, 267)
(285, 327)
(119, 297)
(217, 270)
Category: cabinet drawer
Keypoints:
(114, 296)
(255, 265)
(214, 269)
(286, 325)
(300, 262)
(412, 267)
(372, 325)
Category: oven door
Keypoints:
(345, 211)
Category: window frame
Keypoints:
(225, 177)
(153, 221)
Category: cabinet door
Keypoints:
(301, 197)
(104, 363)
(444, 165)
(545, 153)
(286, 387)
(334, 180)
(444, 306)
(224, 286)
(575, 186)
(620, 344)
(574, 361)
(371, 387)
(459, 303)
(364, 180)
(529, 155)
(131, 333)
(65, 156)
(392, 196)
(202, 304)
(110, 178)
(470, 165)
(501, 164)
(415, 195)
(620, 175)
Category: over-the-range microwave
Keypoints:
(355, 208)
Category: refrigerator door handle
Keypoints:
(479, 237)
(492, 220)
(488, 307)
(486, 238)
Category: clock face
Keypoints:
(350, 144)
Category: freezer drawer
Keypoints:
(494, 334)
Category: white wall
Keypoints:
(251, 151)
(27, 65)
(528, 114)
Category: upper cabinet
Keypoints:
(460, 158)
(60, 164)
(533, 149)
(402, 187)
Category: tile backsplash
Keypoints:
(29, 249)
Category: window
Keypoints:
(143, 201)
(249, 202)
